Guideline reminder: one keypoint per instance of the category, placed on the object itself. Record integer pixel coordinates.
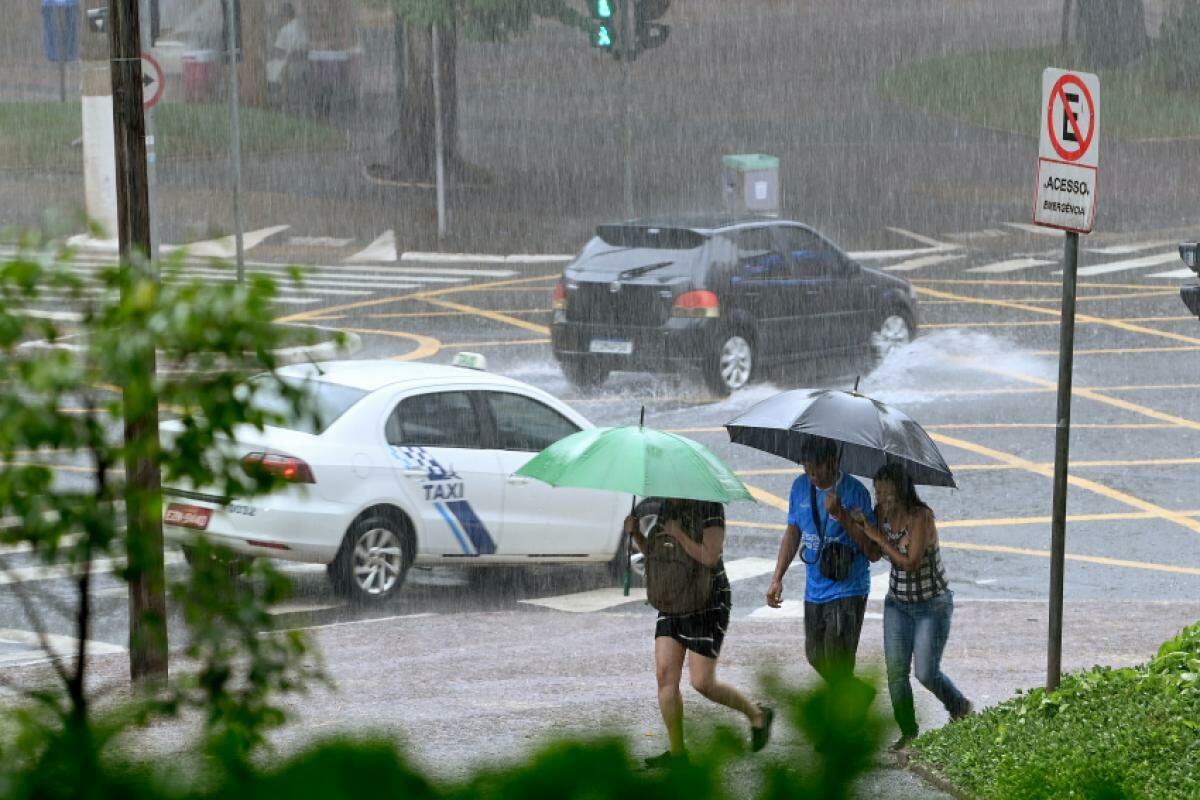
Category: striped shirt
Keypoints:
(925, 582)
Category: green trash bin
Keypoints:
(751, 183)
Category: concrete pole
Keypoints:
(99, 149)
(235, 139)
(439, 146)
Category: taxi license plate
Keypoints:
(185, 516)
(620, 347)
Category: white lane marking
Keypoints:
(790, 609)
(53, 316)
(61, 646)
(393, 618)
(382, 249)
(487, 258)
(318, 241)
(1125, 249)
(925, 261)
(1010, 265)
(300, 607)
(970, 236)
(100, 566)
(1037, 230)
(923, 239)
(226, 246)
(1175, 273)
(880, 255)
(322, 279)
(1127, 264)
(594, 600)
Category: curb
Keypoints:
(935, 779)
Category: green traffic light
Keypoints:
(604, 10)
(603, 39)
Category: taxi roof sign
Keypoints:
(470, 361)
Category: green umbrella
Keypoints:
(637, 460)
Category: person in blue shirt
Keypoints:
(835, 594)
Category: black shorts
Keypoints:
(702, 632)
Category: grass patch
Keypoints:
(1105, 733)
(1003, 90)
(38, 134)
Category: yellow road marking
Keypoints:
(1114, 351)
(1037, 323)
(382, 301)
(426, 345)
(494, 316)
(1083, 483)
(1057, 284)
(417, 314)
(1020, 306)
(1010, 301)
(1103, 560)
(1089, 464)
(1095, 394)
(502, 343)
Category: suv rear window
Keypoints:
(327, 400)
(650, 237)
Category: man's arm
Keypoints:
(788, 547)
(835, 508)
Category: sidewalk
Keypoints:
(469, 688)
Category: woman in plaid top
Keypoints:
(916, 613)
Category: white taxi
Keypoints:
(414, 465)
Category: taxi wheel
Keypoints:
(893, 331)
(373, 561)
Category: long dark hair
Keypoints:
(906, 490)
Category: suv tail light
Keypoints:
(560, 296)
(289, 468)
(696, 304)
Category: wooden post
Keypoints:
(144, 540)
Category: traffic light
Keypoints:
(604, 24)
(647, 32)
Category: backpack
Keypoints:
(676, 583)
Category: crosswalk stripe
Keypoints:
(599, 599)
(61, 646)
(1125, 249)
(970, 236)
(1127, 264)
(371, 271)
(925, 261)
(1037, 230)
(1175, 273)
(1011, 265)
(322, 279)
(46, 572)
(226, 246)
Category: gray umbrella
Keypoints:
(870, 433)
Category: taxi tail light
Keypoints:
(700, 303)
(560, 296)
(289, 468)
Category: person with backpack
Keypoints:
(686, 582)
(836, 555)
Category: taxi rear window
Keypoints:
(328, 401)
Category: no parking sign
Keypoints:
(1069, 151)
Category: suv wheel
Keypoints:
(730, 366)
(374, 558)
(893, 332)
(584, 373)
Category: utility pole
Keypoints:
(628, 54)
(144, 541)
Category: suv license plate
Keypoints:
(616, 346)
(185, 516)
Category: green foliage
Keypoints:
(487, 20)
(1104, 733)
(1002, 90)
(38, 135)
(1176, 55)
(837, 720)
(72, 383)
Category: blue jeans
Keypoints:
(914, 634)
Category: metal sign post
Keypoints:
(235, 136)
(439, 146)
(1068, 168)
(628, 54)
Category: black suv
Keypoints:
(725, 296)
